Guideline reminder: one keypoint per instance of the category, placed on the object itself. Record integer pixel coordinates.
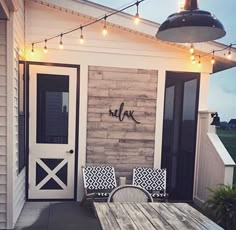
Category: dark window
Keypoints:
(21, 118)
(52, 108)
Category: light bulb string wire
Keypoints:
(217, 50)
(104, 17)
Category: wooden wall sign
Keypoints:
(120, 114)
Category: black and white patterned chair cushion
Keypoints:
(99, 180)
(153, 180)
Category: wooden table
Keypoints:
(149, 216)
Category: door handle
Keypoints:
(71, 151)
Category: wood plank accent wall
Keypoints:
(125, 144)
(3, 125)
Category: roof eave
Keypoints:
(148, 28)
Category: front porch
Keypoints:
(128, 100)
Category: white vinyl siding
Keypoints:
(19, 178)
(3, 125)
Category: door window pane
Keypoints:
(168, 117)
(188, 131)
(52, 108)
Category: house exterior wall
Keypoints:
(19, 177)
(3, 124)
(16, 179)
(120, 49)
(112, 137)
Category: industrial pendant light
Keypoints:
(191, 25)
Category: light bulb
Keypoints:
(32, 50)
(136, 19)
(192, 57)
(104, 31)
(213, 60)
(45, 46)
(61, 45)
(81, 40)
(191, 50)
(229, 54)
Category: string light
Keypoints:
(213, 58)
(192, 56)
(61, 43)
(194, 61)
(45, 46)
(90, 23)
(228, 47)
(104, 31)
(191, 50)
(199, 60)
(81, 40)
(229, 52)
(32, 49)
(136, 18)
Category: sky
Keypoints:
(222, 92)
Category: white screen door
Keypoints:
(52, 116)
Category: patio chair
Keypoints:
(153, 180)
(98, 181)
(129, 193)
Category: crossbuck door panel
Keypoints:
(52, 115)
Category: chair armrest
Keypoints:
(90, 195)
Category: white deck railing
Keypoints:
(213, 163)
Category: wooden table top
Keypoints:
(150, 216)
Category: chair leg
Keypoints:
(83, 200)
(86, 197)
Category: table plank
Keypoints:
(138, 217)
(154, 217)
(122, 217)
(174, 221)
(106, 218)
(203, 220)
(187, 219)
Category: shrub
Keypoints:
(221, 206)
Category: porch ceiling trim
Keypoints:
(147, 30)
(6, 6)
(13, 5)
(4, 11)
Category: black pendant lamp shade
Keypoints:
(191, 25)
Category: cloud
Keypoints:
(226, 81)
(231, 89)
(222, 96)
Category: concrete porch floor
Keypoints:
(56, 216)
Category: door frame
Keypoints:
(77, 104)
